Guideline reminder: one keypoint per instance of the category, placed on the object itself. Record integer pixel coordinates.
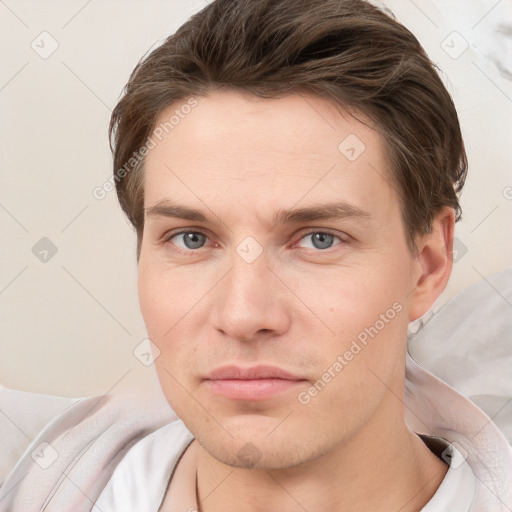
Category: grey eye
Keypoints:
(321, 240)
(192, 239)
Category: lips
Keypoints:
(255, 372)
(251, 383)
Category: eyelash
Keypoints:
(166, 239)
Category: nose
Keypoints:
(251, 302)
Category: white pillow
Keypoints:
(468, 344)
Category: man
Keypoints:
(291, 170)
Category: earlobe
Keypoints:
(434, 262)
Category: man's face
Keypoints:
(324, 299)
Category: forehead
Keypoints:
(235, 148)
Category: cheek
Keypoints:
(170, 303)
(165, 296)
(159, 306)
(358, 368)
(357, 298)
(153, 303)
(164, 306)
(368, 315)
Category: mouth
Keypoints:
(252, 383)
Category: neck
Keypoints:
(379, 469)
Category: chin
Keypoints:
(258, 455)
(256, 443)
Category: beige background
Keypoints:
(69, 325)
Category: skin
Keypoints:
(297, 306)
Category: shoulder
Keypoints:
(85, 441)
(467, 346)
(140, 480)
(23, 415)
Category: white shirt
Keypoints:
(456, 492)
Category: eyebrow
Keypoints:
(327, 211)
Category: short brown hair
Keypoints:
(348, 51)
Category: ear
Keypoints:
(434, 260)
